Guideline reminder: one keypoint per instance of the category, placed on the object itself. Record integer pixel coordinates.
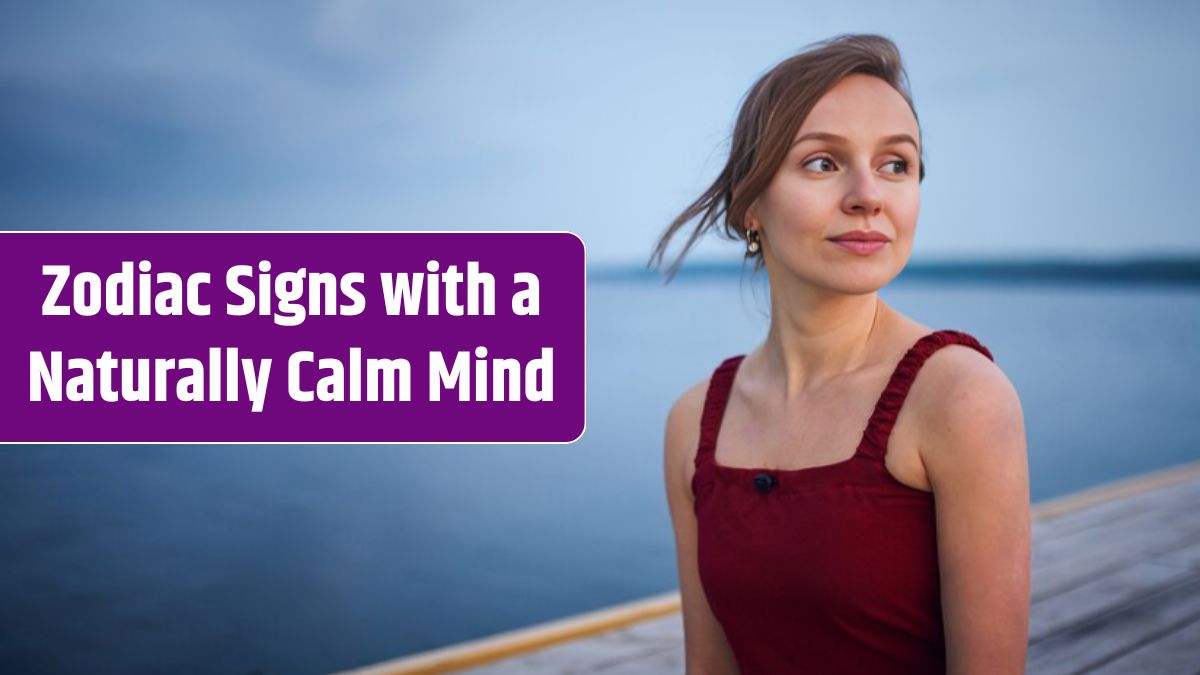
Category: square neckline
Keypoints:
(785, 472)
(873, 442)
(883, 412)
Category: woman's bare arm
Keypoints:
(706, 649)
(974, 449)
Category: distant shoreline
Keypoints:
(1173, 271)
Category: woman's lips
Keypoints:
(859, 247)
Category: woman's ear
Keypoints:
(751, 220)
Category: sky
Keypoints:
(1056, 129)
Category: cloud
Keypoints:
(603, 119)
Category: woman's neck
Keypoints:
(813, 341)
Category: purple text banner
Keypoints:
(295, 337)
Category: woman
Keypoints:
(823, 526)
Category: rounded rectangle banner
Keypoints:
(211, 337)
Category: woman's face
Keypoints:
(853, 168)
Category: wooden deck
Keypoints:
(1116, 589)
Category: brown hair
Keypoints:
(771, 114)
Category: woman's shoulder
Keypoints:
(956, 369)
(964, 403)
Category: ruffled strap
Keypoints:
(715, 400)
(879, 427)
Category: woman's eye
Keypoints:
(818, 159)
(825, 164)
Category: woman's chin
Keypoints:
(863, 280)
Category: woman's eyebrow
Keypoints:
(834, 138)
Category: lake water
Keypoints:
(306, 559)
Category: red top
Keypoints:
(826, 569)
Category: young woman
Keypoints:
(833, 511)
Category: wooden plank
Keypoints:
(1107, 513)
(1175, 500)
(665, 631)
(1175, 654)
(1148, 530)
(648, 642)
(1107, 554)
(599, 623)
(669, 662)
(598, 654)
(1100, 596)
(1107, 637)
(1188, 556)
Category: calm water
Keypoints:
(231, 559)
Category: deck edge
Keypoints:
(524, 640)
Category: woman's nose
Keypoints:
(863, 195)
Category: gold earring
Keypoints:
(752, 242)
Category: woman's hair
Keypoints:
(771, 114)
